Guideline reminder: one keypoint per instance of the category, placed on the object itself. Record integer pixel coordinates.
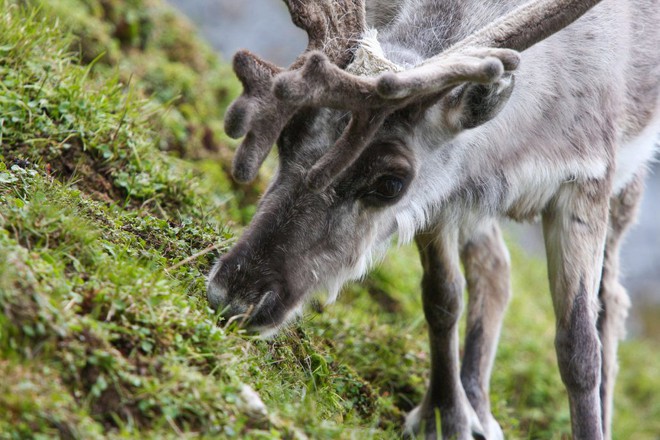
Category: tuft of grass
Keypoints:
(107, 229)
(156, 50)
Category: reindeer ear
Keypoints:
(470, 105)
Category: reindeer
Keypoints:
(433, 123)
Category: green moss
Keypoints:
(156, 51)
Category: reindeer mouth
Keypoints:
(262, 317)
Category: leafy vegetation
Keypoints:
(107, 227)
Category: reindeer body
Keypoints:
(465, 142)
(575, 91)
(586, 108)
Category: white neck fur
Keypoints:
(370, 59)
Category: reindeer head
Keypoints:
(353, 132)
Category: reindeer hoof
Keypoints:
(493, 429)
(420, 426)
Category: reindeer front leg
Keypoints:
(575, 227)
(487, 270)
(445, 402)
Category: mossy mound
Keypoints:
(158, 53)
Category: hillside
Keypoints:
(114, 203)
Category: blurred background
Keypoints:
(264, 27)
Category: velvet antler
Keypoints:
(319, 83)
(316, 79)
(334, 26)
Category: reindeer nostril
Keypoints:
(216, 291)
(216, 295)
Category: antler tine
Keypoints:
(256, 76)
(480, 66)
(255, 115)
(360, 130)
(320, 83)
(528, 24)
(333, 26)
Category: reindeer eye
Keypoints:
(387, 188)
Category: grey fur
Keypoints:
(568, 142)
(381, 13)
